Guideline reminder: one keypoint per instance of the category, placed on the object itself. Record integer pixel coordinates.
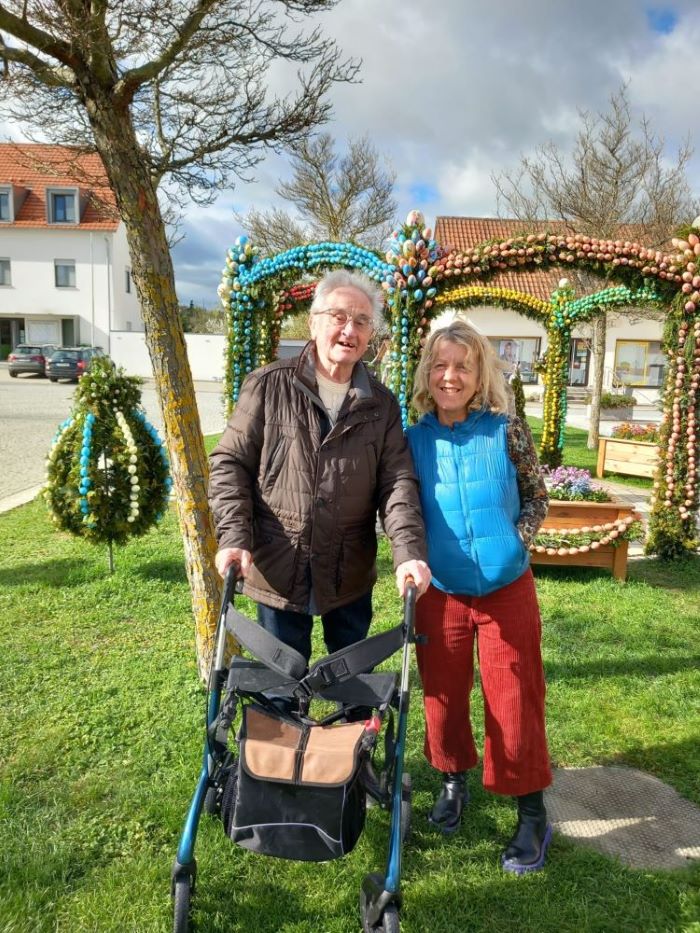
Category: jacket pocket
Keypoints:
(355, 562)
(272, 469)
(274, 558)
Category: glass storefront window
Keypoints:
(639, 363)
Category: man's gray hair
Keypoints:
(343, 278)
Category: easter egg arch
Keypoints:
(420, 276)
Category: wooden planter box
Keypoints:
(577, 515)
(631, 458)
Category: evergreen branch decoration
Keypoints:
(107, 472)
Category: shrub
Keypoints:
(628, 431)
(516, 384)
(614, 400)
(570, 483)
(107, 470)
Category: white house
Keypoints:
(633, 354)
(65, 275)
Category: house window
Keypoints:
(62, 207)
(5, 205)
(520, 351)
(639, 363)
(5, 272)
(127, 281)
(64, 271)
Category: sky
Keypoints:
(453, 92)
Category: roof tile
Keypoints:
(36, 167)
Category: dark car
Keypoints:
(30, 358)
(71, 362)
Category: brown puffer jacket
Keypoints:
(306, 507)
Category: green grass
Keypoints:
(101, 735)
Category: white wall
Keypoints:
(205, 353)
(99, 280)
(126, 312)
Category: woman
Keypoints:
(483, 500)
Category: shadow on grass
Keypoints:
(54, 573)
(676, 763)
(572, 574)
(170, 570)
(676, 575)
(682, 574)
(650, 665)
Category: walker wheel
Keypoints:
(182, 894)
(212, 801)
(406, 796)
(389, 920)
(388, 923)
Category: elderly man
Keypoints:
(314, 448)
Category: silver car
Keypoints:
(30, 358)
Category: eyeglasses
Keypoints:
(340, 318)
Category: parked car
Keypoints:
(71, 362)
(30, 358)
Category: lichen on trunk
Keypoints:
(154, 279)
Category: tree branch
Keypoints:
(136, 77)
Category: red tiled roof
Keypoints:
(37, 167)
(463, 233)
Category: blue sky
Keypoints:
(451, 93)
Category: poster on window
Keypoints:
(518, 351)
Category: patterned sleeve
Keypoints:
(533, 492)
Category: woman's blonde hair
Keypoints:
(492, 392)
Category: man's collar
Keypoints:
(360, 387)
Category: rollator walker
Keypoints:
(292, 783)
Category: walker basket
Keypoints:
(295, 790)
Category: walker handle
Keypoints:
(409, 606)
(230, 580)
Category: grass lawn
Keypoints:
(101, 735)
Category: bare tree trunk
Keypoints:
(599, 329)
(155, 283)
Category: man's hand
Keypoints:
(419, 570)
(227, 555)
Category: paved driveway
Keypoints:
(31, 409)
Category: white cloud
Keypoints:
(455, 92)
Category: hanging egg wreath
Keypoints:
(107, 472)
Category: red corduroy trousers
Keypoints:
(507, 628)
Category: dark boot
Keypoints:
(527, 850)
(447, 811)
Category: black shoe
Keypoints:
(447, 811)
(527, 850)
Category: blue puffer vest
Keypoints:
(470, 501)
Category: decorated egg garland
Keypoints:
(410, 285)
(419, 276)
(252, 290)
(107, 471)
